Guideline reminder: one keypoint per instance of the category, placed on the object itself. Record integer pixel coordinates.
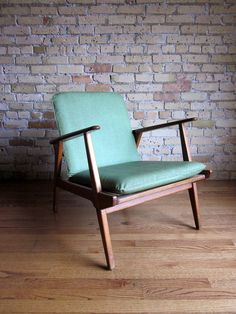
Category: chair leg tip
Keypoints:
(111, 267)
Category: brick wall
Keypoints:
(170, 59)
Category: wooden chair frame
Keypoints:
(106, 202)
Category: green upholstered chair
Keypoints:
(103, 163)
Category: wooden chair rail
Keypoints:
(160, 189)
(110, 201)
(138, 198)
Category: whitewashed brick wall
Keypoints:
(171, 59)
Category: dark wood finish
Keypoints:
(106, 238)
(137, 137)
(193, 195)
(192, 189)
(78, 189)
(184, 143)
(106, 202)
(138, 198)
(207, 173)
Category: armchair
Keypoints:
(106, 168)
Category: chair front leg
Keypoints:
(106, 238)
(193, 195)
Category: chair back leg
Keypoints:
(193, 195)
(106, 238)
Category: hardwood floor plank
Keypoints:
(55, 264)
(28, 282)
(111, 306)
(132, 293)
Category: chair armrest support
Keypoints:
(138, 133)
(183, 138)
(163, 125)
(75, 133)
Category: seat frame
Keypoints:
(106, 202)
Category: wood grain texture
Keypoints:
(55, 264)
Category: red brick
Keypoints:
(82, 79)
(180, 86)
(98, 88)
(161, 96)
(100, 68)
(48, 115)
(42, 124)
(47, 20)
(20, 142)
(138, 115)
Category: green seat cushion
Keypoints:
(114, 143)
(130, 177)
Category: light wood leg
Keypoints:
(193, 194)
(106, 239)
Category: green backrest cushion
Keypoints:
(113, 143)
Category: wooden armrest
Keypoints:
(75, 133)
(164, 125)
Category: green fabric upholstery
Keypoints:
(120, 167)
(137, 176)
(113, 143)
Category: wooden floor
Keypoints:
(54, 264)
